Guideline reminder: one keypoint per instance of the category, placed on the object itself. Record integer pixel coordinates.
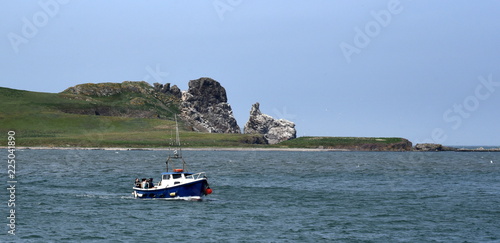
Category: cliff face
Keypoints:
(204, 107)
(274, 130)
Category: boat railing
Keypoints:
(197, 176)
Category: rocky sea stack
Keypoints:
(204, 107)
(274, 130)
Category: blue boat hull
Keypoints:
(194, 189)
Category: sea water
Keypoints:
(258, 196)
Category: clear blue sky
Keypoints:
(423, 70)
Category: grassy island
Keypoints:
(64, 120)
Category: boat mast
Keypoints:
(177, 154)
(177, 140)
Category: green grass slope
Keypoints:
(350, 143)
(38, 119)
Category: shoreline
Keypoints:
(186, 149)
(241, 149)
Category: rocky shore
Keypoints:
(434, 147)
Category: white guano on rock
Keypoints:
(274, 130)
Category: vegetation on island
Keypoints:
(351, 143)
(132, 119)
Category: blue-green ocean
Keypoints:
(258, 196)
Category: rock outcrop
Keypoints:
(274, 130)
(426, 147)
(127, 99)
(204, 107)
(166, 89)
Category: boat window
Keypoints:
(166, 177)
(177, 176)
(189, 177)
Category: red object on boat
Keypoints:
(178, 170)
(208, 191)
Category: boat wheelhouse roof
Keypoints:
(176, 173)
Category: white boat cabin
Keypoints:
(169, 179)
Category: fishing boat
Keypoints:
(177, 182)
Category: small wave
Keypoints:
(431, 196)
(100, 196)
